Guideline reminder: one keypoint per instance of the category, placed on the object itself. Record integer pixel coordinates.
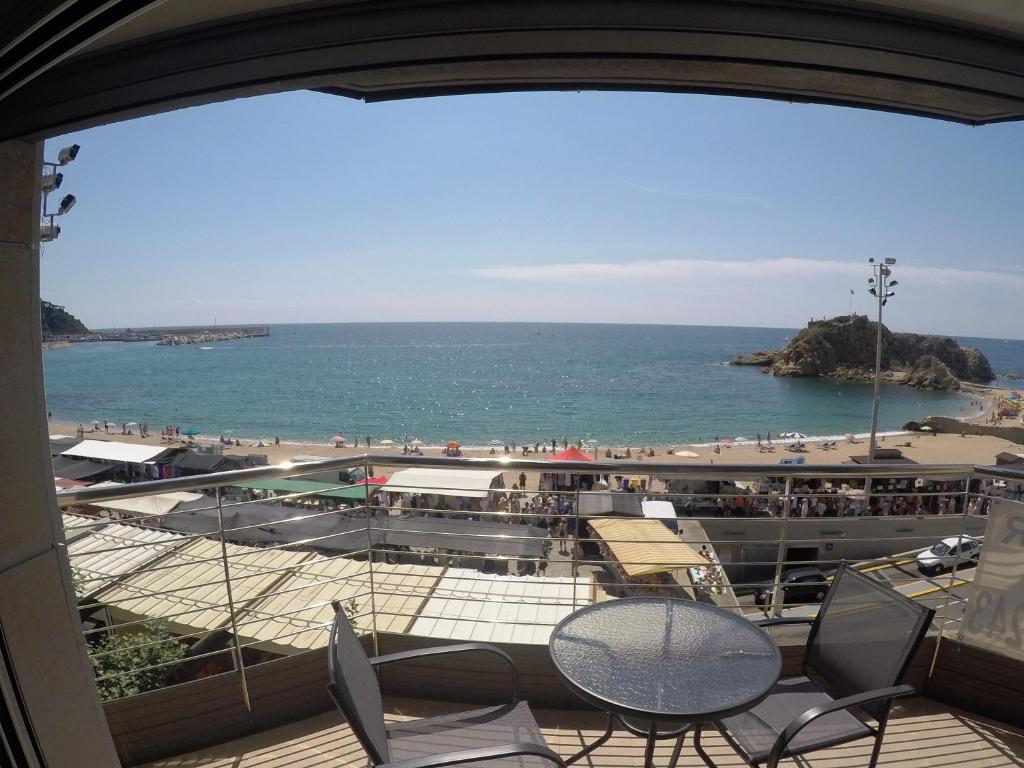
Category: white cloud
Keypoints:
(725, 197)
(738, 270)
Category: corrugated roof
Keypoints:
(469, 605)
(474, 483)
(187, 588)
(103, 555)
(299, 613)
(645, 546)
(114, 451)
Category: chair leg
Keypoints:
(700, 750)
(878, 744)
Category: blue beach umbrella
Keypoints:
(191, 431)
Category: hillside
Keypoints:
(59, 322)
(844, 347)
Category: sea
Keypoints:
(482, 384)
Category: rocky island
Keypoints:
(844, 348)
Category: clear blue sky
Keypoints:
(610, 207)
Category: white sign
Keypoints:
(995, 612)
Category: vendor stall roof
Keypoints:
(102, 450)
(77, 469)
(299, 614)
(643, 547)
(356, 492)
(472, 483)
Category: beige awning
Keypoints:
(645, 546)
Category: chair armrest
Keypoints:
(474, 755)
(783, 620)
(812, 714)
(441, 650)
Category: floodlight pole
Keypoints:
(880, 282)
(880, 289)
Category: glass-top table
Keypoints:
(663, 661)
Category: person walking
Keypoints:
(522, 481)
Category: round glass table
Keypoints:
(663, 660)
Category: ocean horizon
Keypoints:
(618, 385)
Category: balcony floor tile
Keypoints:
(922, 734)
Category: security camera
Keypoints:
(890, 260)
(48, 232)
(52, 181)
(66, 204)
(67, 154)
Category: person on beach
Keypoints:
(277, 440)
(522, 480)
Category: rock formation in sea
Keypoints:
(844, 348)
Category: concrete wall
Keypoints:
(954, 427)
(38, 616)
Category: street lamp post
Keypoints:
(879, 287)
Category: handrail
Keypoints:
(704, 471)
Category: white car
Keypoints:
(946, 553)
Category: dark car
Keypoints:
(799, 585)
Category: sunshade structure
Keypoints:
(572, 453)
(102, 555)
(356, 492)
(60, 443)
(78, 469)
(298, 615)
(193, 462)
(188, 590)
(469, 605)
(472, 536)
(466, 483)
(331, 532)
(67, 63)
(644, 547)
(609, 503)
(128, 453)
(156, 505)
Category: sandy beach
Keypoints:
(924, 448)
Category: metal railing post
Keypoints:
(576, 549)
(941, 616)
(369, 552)
(236, 647)
(780, 553)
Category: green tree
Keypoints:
(126, 663)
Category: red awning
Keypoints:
(571, 454)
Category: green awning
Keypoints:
(350, 492)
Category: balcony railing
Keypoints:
(171, 593)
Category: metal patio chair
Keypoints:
(505, 736)
(858, 649)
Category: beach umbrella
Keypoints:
(386, 441)
(591, 441)
(132, 424)
(453, 445)
(337, 439)
(726, 441)
(415, 442)
(191, 431)
(927, 428)
(686, 454)
(495, 442)
(229, 431)
(741, 439)
(96, 422)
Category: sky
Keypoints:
(573, 207)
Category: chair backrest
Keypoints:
(864, 635)
(355, 689)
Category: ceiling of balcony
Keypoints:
(74, 63)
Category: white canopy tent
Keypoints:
(102, 450)
(472, 483)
